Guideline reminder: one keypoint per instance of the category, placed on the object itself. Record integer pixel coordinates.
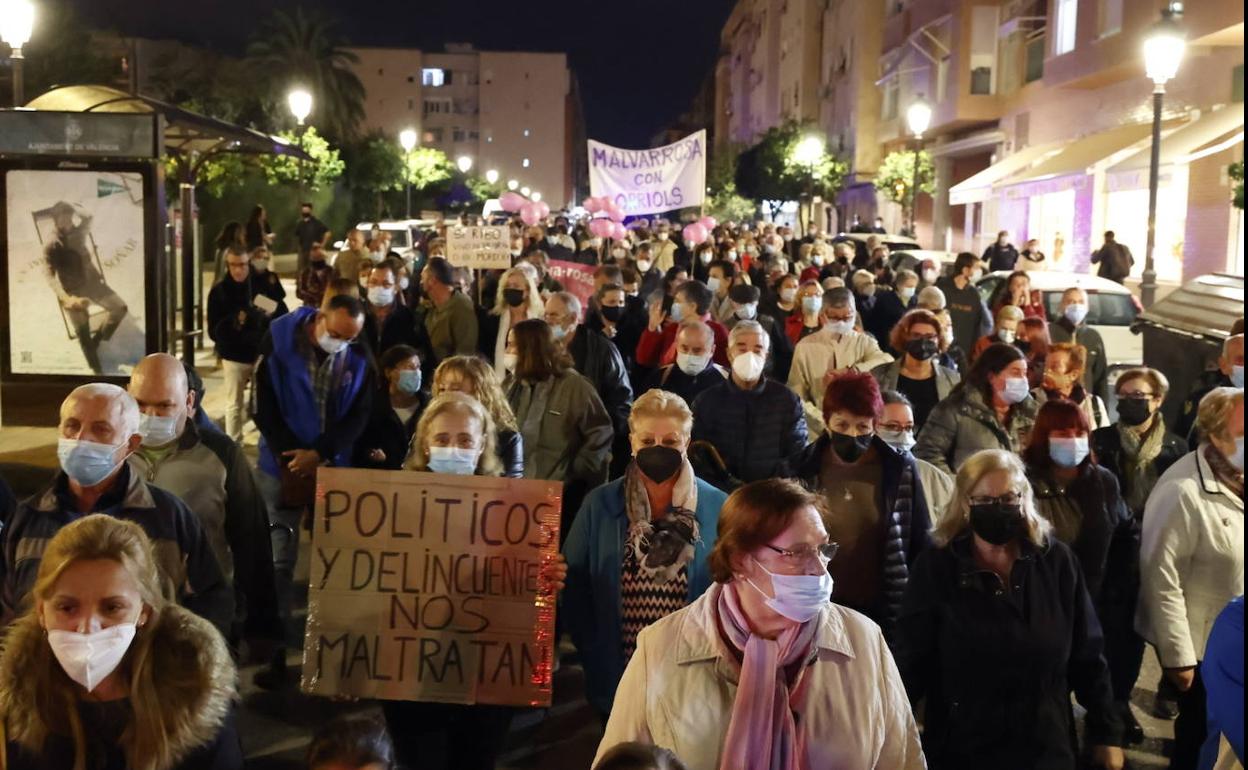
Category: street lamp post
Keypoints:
(1163, 50)
(491, 176)
(300, 102)
(464, 163)
(918, 118)
(17, 21)
(407, 139)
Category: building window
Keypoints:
(437, 107)
(1109, 17)
(892, 95)
(411, 104)
(459, 135)
(411, 78)
(433, 136)
(1065, 15)
(984, 23)
(525, 163)
(527, 132)
(1034, 67)
(434, 77)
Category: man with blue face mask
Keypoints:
(210, 473)
(1072, 327)
(1228, 374)
(838, 347)
(389, 322)
(695, 369)
(99, 430)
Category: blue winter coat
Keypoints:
(590, 606)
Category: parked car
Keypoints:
(1112, 310)
(905, 252)
(405, 237)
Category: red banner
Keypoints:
(577, 279)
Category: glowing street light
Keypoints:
(512, 184)
(918, 118)
(491, 176)
(526, 192)
(407, 140)
(464, 163)
(300, 103)
(809, 150)
(1163, 51)
(17, 22)
(536, 196)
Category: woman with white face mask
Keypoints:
(455, 435)
(100, 652)
(1007, 318)
(763, 665)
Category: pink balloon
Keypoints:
(591, 204)
(616, 213)
(708, 222)
(618, 231)
(543, 208)
(530, 214)
(512, 201)
(694, 234)
(600, 227)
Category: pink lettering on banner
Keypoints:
(577, 279)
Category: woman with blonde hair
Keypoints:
(455, 435)
(996, 630)
(474, 377)
(104, 671)
(1064, 366)
(517, 299)
(1007, 319)
(638, 546)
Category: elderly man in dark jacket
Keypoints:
(99, 430)
(754, 424)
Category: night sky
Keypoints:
(639, 62)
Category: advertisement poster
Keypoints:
(650, 181)
(75, 272)
(429, 587)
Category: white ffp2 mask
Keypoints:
(88, 658)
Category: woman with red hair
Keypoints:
(876, 509)
(1086, 508)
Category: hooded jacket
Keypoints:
(198, 708)
(963, 424)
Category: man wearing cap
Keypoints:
(78, 282)
(743, 302)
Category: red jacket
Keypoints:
(659, 348)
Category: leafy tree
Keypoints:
(725, 203)
(895, 176)
(60, 53)
(427, 166)
(374, 168)
(770, 171)
(325, 166)
(305, 48)
(1236, 172)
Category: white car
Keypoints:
(404, 235)
(1112, 309)
(898, 245)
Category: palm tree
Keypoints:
(305, 49)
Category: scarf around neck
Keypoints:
(664, 545)
(762, 731)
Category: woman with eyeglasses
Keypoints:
(1063, 378)
(918, 373)
(763, 670)
(997, 629)
(876, 508)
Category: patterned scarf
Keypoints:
(661, 546)
(1230, 476)
(762, 732)
(1141, 451)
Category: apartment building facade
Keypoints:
(517, 113)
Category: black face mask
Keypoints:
(1133, 411)
(513, 297)
(850, 448)
(997, 523)
(922, 349)
(613, 314)
(659, 463)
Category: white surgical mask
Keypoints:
(812, 304)
(89, 657)
(705, 257)
(713, 283)
(404, 283)
(157, 430)
(798, 597)
(929, 276)
(331, 345)
(747, 311)
(906, 294)
(748, 366)
(663, 236)
(1068, 452)
(1237, 375)
(260, 265)
(454, 460)
(509, 361)
(840, 327)
(976, 274)
(1006, 336)
(692, 365)
(380, 296)
(86, 462)
(901, 440)
(619, 253)
(1075, 313)
(1016, 389)
(731, 256)
(788, 295)
(677, 312)
(643, 266)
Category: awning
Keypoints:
(1211, 128)
(1078, 156)
(979, 187)
(186, 132)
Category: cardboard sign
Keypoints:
(479, 248)
(428, 587)
(577, 279)
(650, 181)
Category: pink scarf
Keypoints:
(762, 733)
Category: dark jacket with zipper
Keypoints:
(760, 433)
(399, 328)
(385, 431)
(235, 324)
(1107, 446)
(900, 498)
(673, 380)
(996, 662)
(598, 361)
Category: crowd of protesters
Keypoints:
(820, 509)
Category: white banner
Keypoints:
(650, 181)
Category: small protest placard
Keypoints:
(478, 248)
(428, 587)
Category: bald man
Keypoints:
(99, 430)
(211, 475)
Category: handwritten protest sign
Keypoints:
(577, 279)
(427, 587)
(478, 248)
(650, 181)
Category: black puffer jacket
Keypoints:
(760, 433)
(600, 362)
(996, 666)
